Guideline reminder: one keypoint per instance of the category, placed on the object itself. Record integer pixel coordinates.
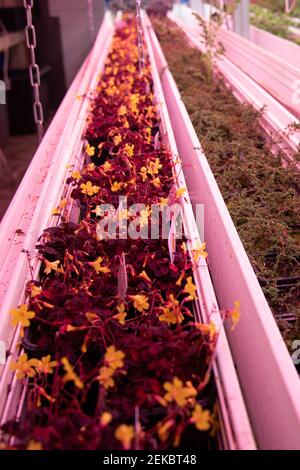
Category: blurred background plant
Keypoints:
(155, 7)
(273, 21)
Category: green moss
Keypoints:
(263, 198)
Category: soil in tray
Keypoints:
(262, 197)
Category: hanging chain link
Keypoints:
(91, 16)
(34, 70)
(140, 36)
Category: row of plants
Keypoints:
(277, 22)
(278, 6)
(261, 195)
(112, 355)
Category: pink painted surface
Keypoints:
(268, 378)
(280, 47)
(237, 429)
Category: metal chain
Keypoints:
(91, 17)
(34, 70)
(140, 36)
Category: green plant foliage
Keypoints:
(276, 23)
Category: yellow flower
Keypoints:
(180, 192)
(129, 150)
(90, 150)
(235, 314)
(122, 314)
(144, 216)
(51, 266)
(190, 288)
(25, 367)
(122, 111)
(199, 251)
(105, 377)
(143, 173)
(56, 211)
(169, 317)
(76, 175)
(114, 358)
(35, 291)
(106, 166)
(125, 434)
(207, 329)
(97, 266)
(148, 134)
(70, 375)
(34, 445)
(154, 167)
(163, 201)
(46, 365)
(201, 418)
(140, 302)
(89, 188)
(21, 316)
(117, 139)
(172, 313)
(116, 186)
(105, 418)
(156, 182)
(179, 393)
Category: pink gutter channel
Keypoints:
(275, 119)
(237, 429)
(66, 143)
(282, 48)
(267, 376)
